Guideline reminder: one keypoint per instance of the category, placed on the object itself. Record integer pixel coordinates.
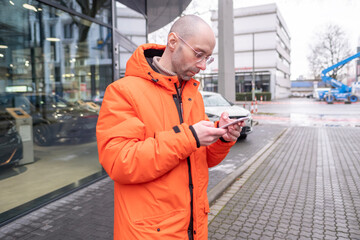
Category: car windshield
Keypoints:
(215, 101)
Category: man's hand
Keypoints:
(233, 131)
(207, 133)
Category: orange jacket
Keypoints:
(144, 149)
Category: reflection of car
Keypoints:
(88, 105)
(98, 99)
(53, 117)
(215, 104)
(11, 149)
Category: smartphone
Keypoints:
(236, 121)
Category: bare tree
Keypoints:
(331, 46)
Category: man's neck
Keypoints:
(162, 69)
(160, 64)
(165, 62)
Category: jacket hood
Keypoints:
(138, 66)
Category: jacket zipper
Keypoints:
(178, 102)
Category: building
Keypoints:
(56, 60)
(262, 45)
(306, 88)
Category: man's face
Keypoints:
(186, 59)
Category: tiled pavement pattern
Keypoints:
(252, 145)
(308, 187)
(85, 214)
(305, 187)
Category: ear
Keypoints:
(172, 41)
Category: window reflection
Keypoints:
(55, 67)
(56, 53)
(98, 9)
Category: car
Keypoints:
(11, 148)
(215, 104)
(53, 117)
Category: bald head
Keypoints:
(190, 44)
(189, 26)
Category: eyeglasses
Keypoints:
(199, 55)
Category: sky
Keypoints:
(304, 18)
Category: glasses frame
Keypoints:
(199, 55)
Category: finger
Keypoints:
(219, 131)
(225, 115)
(235, 132)
(235, 127)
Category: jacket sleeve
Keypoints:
(217, 151)
(125, 154)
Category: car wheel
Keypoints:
(353, 98)
(329, 98)
(42, 135)
(242, 136)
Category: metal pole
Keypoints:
(147, 21)
(226, 79)
(115, 50)
(253, 68)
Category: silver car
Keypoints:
(215, 104)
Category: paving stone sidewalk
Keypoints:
(85, 214)
(306, 188)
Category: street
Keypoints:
(308, 112)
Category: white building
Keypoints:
(259, 31)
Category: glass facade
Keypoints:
(56, 59)
(209, 82)
(243, 82)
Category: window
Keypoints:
(56, 58)
(68, 32)
(243, 82)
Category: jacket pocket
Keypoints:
(206, 207)
(161, 219)
(170, 225)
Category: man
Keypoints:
(154, 139)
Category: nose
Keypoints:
(201, 64)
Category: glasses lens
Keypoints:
(209, 61)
